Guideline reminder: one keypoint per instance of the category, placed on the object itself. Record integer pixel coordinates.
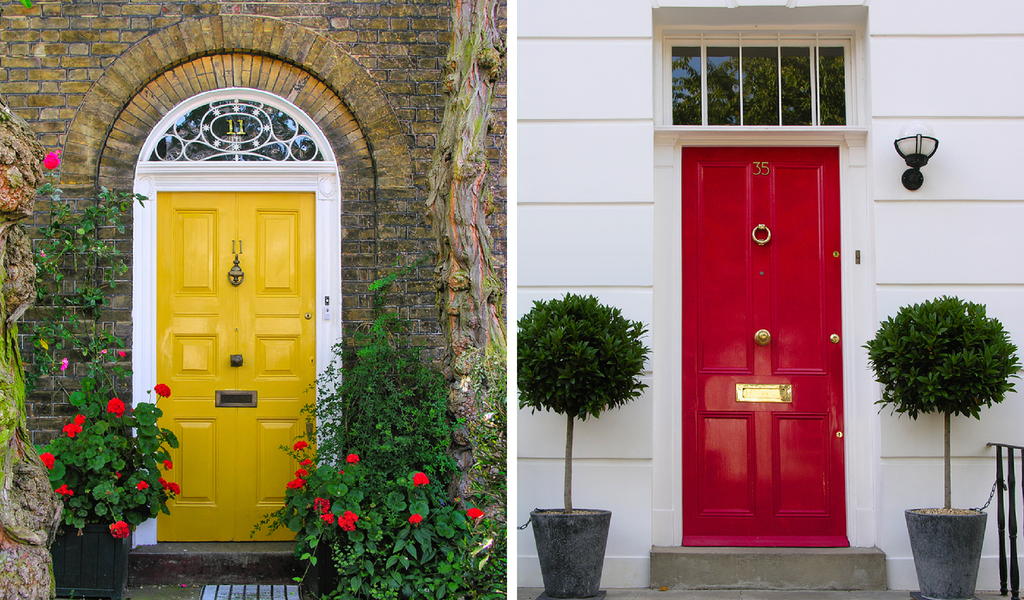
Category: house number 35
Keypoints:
(761, 168)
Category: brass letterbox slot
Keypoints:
(236, 398)
(764, 392)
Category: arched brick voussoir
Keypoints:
(143, 65)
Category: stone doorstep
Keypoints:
(693, 568)
(213, 563)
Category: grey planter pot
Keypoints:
(947, 553)
(571, 550)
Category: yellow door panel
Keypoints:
(232, 454)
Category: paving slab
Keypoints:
(649, 594)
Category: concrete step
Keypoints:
(690, 568)
(213, 562)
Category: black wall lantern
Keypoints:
(916, 144)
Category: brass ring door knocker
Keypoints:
(760, 241)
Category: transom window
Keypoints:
(759, 82)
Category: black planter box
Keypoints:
(322, 578)
(92, 564)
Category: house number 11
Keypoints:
(241, 128)
(760, 168)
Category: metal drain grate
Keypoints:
(251, 592)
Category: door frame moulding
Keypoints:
(861, 433)
(321, 178)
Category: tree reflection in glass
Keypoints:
(686, 86)
(723, 86)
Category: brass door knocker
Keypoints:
(235, 275)
(761, 241)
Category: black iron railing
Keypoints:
(1009, 487)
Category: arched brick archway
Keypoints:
(153, 76)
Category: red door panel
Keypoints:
(762, 422)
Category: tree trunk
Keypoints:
(947, 478)
(29, 509)
(469, 292)
(568, 463)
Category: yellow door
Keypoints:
(239, 359)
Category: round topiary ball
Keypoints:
(578, 357)
(943, 355)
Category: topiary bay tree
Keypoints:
(943, 356)
(578, 358)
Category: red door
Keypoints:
(762, 362)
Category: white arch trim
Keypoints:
(320, 177)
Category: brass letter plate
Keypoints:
(764, 392)
(236, 398)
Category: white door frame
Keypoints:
(151, 178)
(862, 429)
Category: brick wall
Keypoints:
(93, 77)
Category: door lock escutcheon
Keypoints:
(762, 337)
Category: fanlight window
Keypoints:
(236, 130)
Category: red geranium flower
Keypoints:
(321, 505)
(299, 445)
(79, 420)
(64, 489)
(47, 459)
(353, 458)
(52, 160)
(168, 465)
(71, 429)
(475, 513)
(141, 485)
(302, 473)
(296, 484)
(348, 520)
(119, 529)
(415, 519)
(327, 518)
(115, 406)
(174, 488)
(420, 479)
(162, 390)
(306, 462)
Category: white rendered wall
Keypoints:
(585, 223)
(960, 71)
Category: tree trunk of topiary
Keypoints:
(568, 463)
(945, 463)
(29, 509)
(469, 288)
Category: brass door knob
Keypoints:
(834, 338)
(762, 337)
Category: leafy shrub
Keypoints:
(388, 407)
(578, 357)
(489, 483)
(943, 355)
(409, 543)
(105, 472)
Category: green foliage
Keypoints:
(77, 266)
(108, 452)
(382, 552)
(488, 486)
(103, 462)
(386, 406)
(944, 356)
(578, 357)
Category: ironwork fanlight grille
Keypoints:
(236, 130)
